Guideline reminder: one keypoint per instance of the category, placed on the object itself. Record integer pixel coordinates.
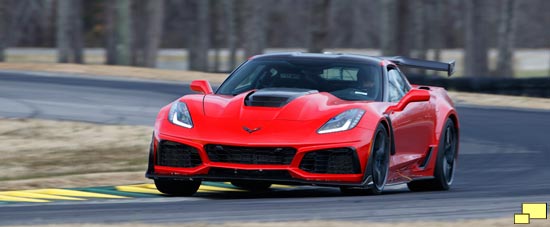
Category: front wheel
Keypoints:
(177, 187)
(445, 163)
(379, 164)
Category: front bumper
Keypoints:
(281, 173)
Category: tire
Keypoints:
(445, 163)
(378, 166)
(177, 187)
(254, 186)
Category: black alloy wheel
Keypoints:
(378, 167)
(445, 166)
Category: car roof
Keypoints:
(325, 56)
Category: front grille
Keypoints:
(250, 155)
(249, 174)
(338, 161)
(177, 155)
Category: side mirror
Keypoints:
(414, 95)
(202, 86)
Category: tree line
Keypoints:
(132, 31)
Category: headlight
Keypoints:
(342, 122)
(179, 115)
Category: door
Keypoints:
(413, 127)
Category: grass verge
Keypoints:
(45, 153)
(116, 71)
(503, 101)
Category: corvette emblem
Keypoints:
(251, 130)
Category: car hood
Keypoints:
(275, 104)
(228, 119)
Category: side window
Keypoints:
(398, 87)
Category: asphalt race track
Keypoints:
(504, 160)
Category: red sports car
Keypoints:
(341, 120)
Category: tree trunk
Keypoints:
(3, 28)
(110, 35)
(476, 46)
(69, 31)
(63, 30)
(47, 22)
(198, 50)
(360, 37)
(437, 30)
(506, 38)
(118, 33)
(389, 29)
(218, 28)
(254, 27)
(147, 32)
(419, 33)
(318, 22)
(78, 32)
(403, 26)
(229, 9)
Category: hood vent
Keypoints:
(275, 97)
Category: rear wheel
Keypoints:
(445, 163)
(379, 164)
(252, 185)
(177, 188)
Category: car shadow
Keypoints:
(290, 192)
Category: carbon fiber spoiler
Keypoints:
(423, 64)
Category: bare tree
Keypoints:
(389, 29)
(63, 30)
(198, 50)
(419, 30)
(3, 28)
(476, 45)
(148, 17)
(361, 23)
(229, 13)
(437, 30)
(118, 28)
(395, 27)
(46, 20)
(110, 35)
(69, 31)
(405, 23)
(506, 38)
(318, 25)
(24, 23)
(218, 32)
(77, 28)
(253, 27)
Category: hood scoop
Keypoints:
(275, 97)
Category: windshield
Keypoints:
(345, 80)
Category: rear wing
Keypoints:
(423, 64)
